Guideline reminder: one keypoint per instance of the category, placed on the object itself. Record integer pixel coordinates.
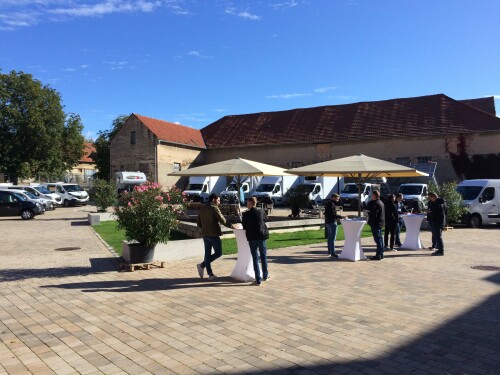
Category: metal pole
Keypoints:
(359, 194)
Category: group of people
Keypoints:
(388, 215)
(254, 223)
(381, 215)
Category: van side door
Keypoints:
(489, 201)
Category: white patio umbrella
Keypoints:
(234, 167)
(358, 166)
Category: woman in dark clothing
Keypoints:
(391, 220)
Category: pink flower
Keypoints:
(129, 204)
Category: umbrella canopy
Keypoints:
(233, 167)
(360, 166)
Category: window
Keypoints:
(403, 161)
(133, 138)
(5, 197)
(488, 194)
(424, 159)
(177, 167)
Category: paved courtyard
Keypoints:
(64, 309)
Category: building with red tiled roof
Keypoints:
(155, 147)
(462, 136)
(86, 166)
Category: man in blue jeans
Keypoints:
(209, 218)
(254, 224)
(331, 218)
(376, 220)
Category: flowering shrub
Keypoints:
(148, 214)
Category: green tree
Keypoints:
(454, 203)
(35, 136)
(102, 144)
(104, 194)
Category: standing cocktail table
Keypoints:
(413, 222)
(352, 243)
(243, 270)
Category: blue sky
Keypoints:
(194, 61)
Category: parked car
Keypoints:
(55, 198)
(482, 199)
(71, 194)
(15, 204)
(33, 195)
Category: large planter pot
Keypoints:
(137, 253)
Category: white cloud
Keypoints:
(90, 134)
(198, 54)
(285, 4)
(287, 96)
(496, 97)
(69, 70)
(219, 110)
(341, 97)
(84, 66)
(325, 89)
(22, 13)
(242, 14)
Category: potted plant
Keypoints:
(148, 215)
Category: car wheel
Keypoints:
(27, 214)
(475, 221)
(66, 203)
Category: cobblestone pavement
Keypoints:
(68, 311)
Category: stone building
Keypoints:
(155, 147)
(463, 137)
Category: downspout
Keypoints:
(157, 142)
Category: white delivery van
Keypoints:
(349, 195)
(200, 188)
(55, 198)
(412, 192)
(248, 185)
(71, 194)
(125, 181)
(274, 188)
(482, 199)
(320, 188)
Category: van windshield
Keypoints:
(42, 189)
(72, 188)
(469, 193)
(264, 188)
(195, 187)
(410, 190)
(350, 189)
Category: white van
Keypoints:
(71, 194)
(482, 199)
(413, 192)
(55, 198)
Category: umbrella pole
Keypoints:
(359, 194)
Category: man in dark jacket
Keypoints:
(331, 218)
(401, 209)
(254, 223)
(376, 217)
(437, 217)
(391, 220)
(209, 218)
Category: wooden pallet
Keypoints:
(142, 266)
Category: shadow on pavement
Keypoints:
(144, 285)
(468, 344)
(97, 265)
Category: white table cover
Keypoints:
(413, 222)
(243, 270)
(352, 244)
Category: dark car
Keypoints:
(14, 204)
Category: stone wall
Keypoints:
(168, 156)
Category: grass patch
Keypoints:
(109, 231)
(279, 240)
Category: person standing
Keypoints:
(391, 221)
(437, 216)
(401, 209)
(376, 218)
(254, 224)
(331, 218)
(431, 226)
(209, 218)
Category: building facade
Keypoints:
(156, 148)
